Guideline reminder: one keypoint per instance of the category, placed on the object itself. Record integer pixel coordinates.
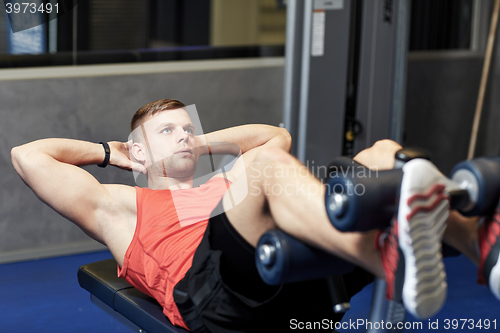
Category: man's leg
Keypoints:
(282, 193)
(461, 233)
(480, 242)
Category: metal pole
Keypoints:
(304, 82)
(291, 12)
(401, 60)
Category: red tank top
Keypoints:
(170, 226)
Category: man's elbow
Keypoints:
(19, 159)
(285, 139)
(14, 156)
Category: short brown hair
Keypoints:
(152, 108)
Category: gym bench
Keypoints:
(118, 298)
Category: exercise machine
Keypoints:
(473, 189)
(281, 258)
(345, 75)
(122, 301)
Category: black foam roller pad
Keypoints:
(370, 198)
(486, 171)
(295, 261)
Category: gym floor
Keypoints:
(466, 302)
(44, 296)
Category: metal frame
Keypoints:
(316, 83)
(366, 45)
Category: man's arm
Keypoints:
(50, 167)
(248, 137)
(251, 139)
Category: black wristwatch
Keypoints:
(107, 155)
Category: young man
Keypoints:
(194, 252)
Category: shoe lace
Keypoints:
(493, 230)
(489, 233)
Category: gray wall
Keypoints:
(489, 131)
(442, 93)
(99, 109)
(441, 98)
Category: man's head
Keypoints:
(163, 139)
(153, 108)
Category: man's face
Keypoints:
(169, 144)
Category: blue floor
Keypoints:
(466, 300)
(44, 296)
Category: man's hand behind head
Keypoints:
(120, 157)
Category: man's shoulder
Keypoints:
(222, 176)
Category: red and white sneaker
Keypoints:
(386, 242)
(411, 249)
(489, 248)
